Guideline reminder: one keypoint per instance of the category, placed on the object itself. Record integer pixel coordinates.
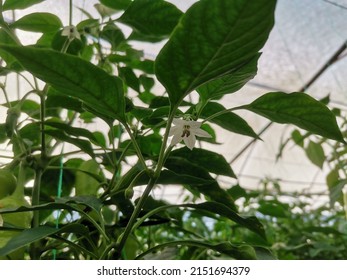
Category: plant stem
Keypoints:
(70, 12)
(123, 238)
(161, 160)
(162, 155)
(42, 122)
(36, 217)
(136, 146)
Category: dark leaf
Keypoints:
(211, 161)
(75, 77)
(299, 109)
(151, 17)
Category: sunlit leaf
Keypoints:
(38, 22)
(299, 109)
(214, 39)
(315, 153)
(229, 120)
(19, 4)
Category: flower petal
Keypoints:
(201, 133)
(190, 141)
(71, 32)
(193, 124)
(176, 139)
(174, 130)
(179, 122)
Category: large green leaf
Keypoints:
(31, 235)
(251, 223)
(19, 4)
(210, 188)
(229, 120)
(38, 22)
(151, 17)
(299, 109)
(213, 39)
(211, 161)
(75, 77)
(72, 131)
(231, 82)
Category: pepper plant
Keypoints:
(85, 202)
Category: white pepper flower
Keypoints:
(71, 32)
(187, 131)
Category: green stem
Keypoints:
(36, 196)
(162, 155)
(124, 236)
(136, 146)
(70, 12)
(35, 248)
(42, 123)
(161, 160)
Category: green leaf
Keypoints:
(116, 4)
(3, 134)
(113, 35)
(75, 77)
(229, 83)
(229, 121)
(38, 22)
(273, 209)
(150, 144)
(31, 133)
(131, 80)
(9, 59)
(299, 109)
(56, 100)
(239, 252)
(85, 184)
(74, 131)
(298, 138)
(336, 192)
(210, 189)
(151, 17)
(84, 145)
(169, 177)
(19, 4)
(213, 39)
(251, 223)
(147, 82)
(315, 153)
(28, 236)
(85, 200)
(211, 161)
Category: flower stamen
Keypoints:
(186, 131)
